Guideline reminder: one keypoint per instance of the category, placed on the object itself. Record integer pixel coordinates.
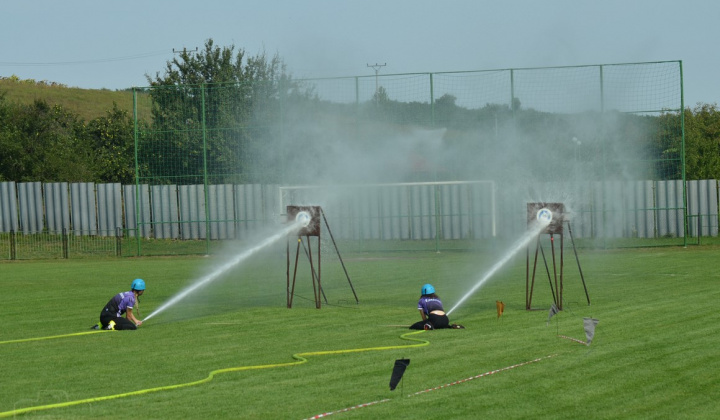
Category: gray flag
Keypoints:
(589, 324)
(553, 311)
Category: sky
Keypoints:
(99, 44)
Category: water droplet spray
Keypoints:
(543, 219)
(302, 219)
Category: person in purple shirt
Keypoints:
(123, 303)
(432, 312)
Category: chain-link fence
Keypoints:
(579, 135)
(214, 159)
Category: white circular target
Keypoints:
(303, 217)
(544, 215)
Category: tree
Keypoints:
(702, 142)
(11, 148)
(112, 139)
(212, 111)
(40, 142)
(381, 96)
(447, 101)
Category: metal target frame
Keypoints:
(555, 227)
(312, 230)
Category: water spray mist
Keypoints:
(543, 218)
(301, 220)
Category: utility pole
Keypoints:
(377, 68)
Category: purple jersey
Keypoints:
(429, 304)
(120, 303)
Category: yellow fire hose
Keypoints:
(300, 358)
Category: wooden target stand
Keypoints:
(556, 227)
(312, 230)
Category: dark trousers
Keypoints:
(120, 322)
(437, 322)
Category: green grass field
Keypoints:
(655, 352)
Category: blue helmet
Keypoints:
(427, 289)
(138, 284)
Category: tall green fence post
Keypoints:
(602, 111)
(682, 151)
(438, 217)
(137, 175)
(205, 169)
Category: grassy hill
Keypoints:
(88, 104)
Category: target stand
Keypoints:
(555, 227)
(304, 239)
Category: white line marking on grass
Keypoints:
(574, 339)
(329, 413)
(492, 372)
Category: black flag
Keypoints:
(398, 371)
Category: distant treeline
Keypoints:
(47, 143)
(222, 112)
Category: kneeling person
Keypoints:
(123, 303)
(432, 312)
